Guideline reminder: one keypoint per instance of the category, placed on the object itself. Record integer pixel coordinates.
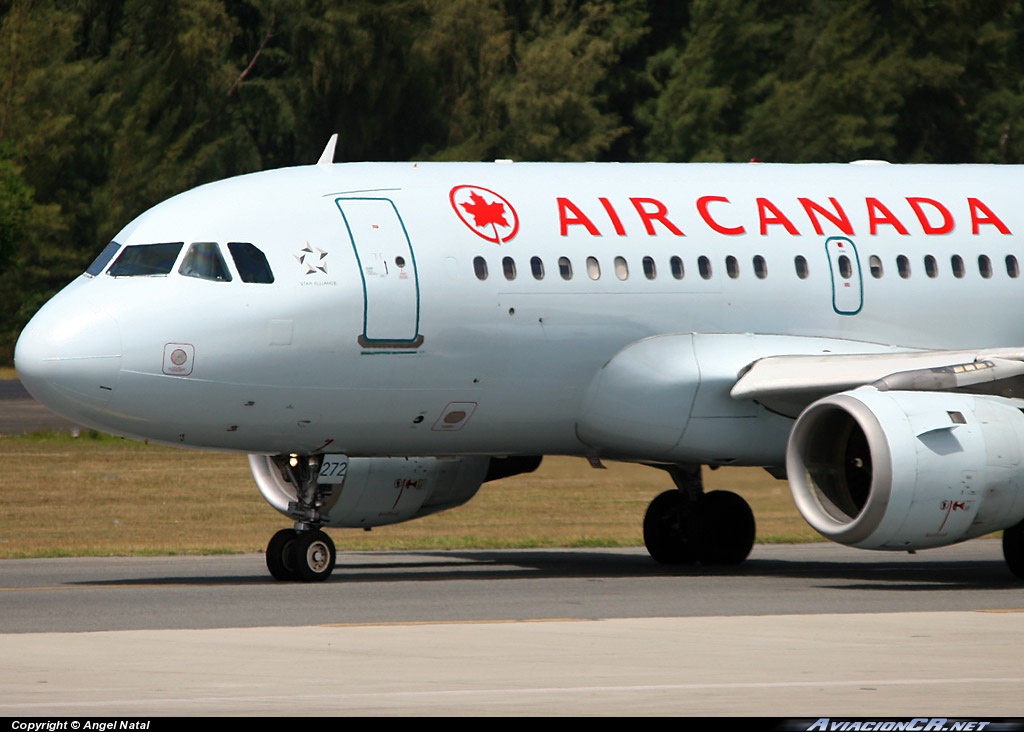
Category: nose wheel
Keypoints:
(308, 556)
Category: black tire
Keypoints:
(1013, 549)
(313, 555)
(665, 530)
(279, 555)
(724, 529)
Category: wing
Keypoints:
(788, 384)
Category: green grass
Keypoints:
(100, 496)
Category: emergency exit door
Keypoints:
(847, 282)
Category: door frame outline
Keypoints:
(835, 277)
(417, 340)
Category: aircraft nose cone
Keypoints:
(69, 358)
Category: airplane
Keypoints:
(383, 338)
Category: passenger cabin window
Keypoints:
(537, 267)
(732, 267)
(845, 267)
(676, 265)
(760, 267)
(145, 260)
(621, 268)
(650, 270)
(565, 268)
(204, 261)
(593, 268)
(985, 266)
(704, 267)
(508, 266)
(903, 266)
(931, 267)
(957, 263)
(800, 263)
(103, 260)
(480, 268)
(251, 263)
(875, 265)
(1012, 268)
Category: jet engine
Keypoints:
(903, 470)
(378, 491)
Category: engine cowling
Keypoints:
(380, 491)
(896, 470)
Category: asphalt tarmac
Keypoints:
(798, 631)
(803, 632)
(21, 414)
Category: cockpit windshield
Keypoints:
(103, 260)
(145, 260)
(251, 262)
(205, 262)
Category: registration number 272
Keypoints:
(334, 469)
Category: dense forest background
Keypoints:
(109, 106)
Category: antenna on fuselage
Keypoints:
(327, 156)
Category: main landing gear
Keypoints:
(1013, 549)
(305, 552)
(687, 525)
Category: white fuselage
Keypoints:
(379, 336)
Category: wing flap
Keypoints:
(788, 384)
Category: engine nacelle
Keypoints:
(379, 491)
(907, 470)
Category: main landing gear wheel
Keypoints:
(666, 535)
(313, 555)
(279, 560)
(715, 529)
(1013, 549)
(724, 532)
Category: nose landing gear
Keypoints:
(301, 555)
(305, 552)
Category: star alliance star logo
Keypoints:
(313, 259)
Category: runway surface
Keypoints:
(20, 413)
(797, 631)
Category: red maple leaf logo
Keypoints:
(487, 214)
(483, 213)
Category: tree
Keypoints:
(528, 81)
(907, 81)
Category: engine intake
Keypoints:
(379, 491)
(907, 470)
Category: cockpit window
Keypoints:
(103, 260)
(251, 263)
(204, 261)
(142, 260)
